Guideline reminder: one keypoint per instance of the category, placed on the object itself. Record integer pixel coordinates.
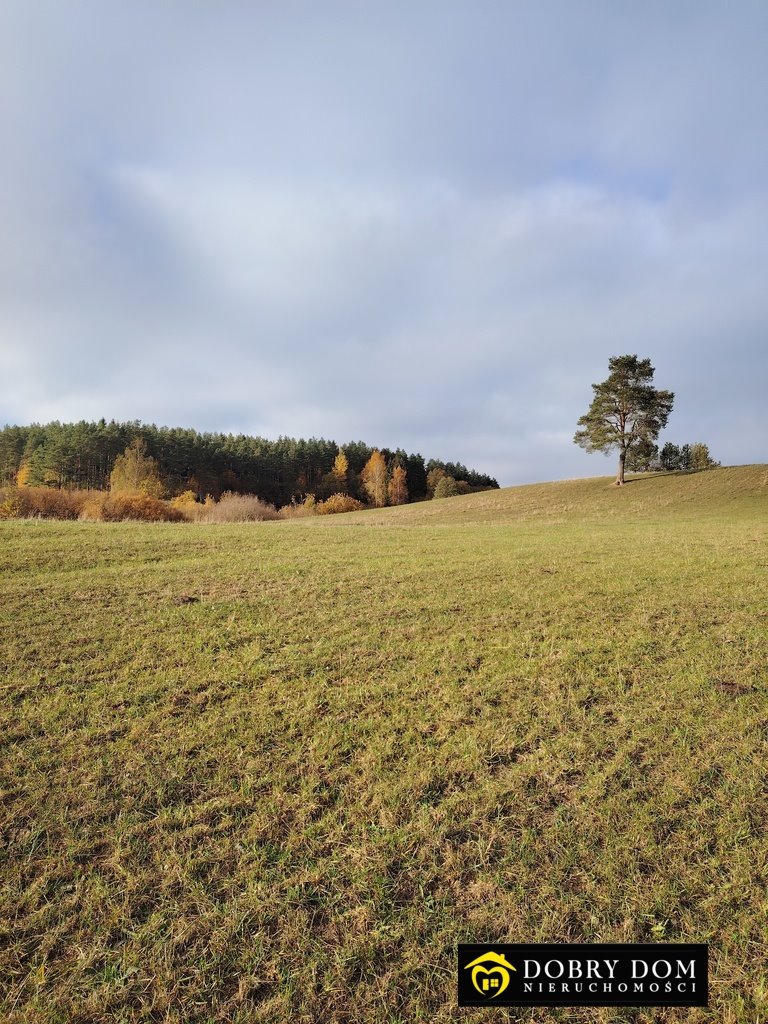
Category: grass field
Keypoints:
(275, 772)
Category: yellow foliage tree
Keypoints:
(434, 476)
(340, 470)
(398, 489)
(22, 476)
(374, 477)
(135, 472)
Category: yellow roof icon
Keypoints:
(497, 958)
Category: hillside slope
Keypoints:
(742, 489)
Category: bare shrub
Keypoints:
(51, 503)
(41, 503)
(142, 507)
(338, 503)
(92, 506)
(117, 508)
(239, 508)
(308, 507)
(197, 511)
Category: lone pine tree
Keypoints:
(627, 412)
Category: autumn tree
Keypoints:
(135, 472)
(374, 477)
(446, 487)
(700, 457)
(398, 488)
(626, 410)
(434, 476)
(340, 470)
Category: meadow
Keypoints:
(275, 772)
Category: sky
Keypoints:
(424, 224)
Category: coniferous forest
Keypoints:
(83, 455)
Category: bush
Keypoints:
(51, 503)
(308, 507)
(92, 506)
(117, 508)
(239, 508)
(10, 504)
(192, 510)
(338, 503)
(41, 503)
(183, 500)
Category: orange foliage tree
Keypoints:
(434, 476)
(398, 489)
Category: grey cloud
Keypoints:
(422, 225)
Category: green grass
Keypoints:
(275, 772)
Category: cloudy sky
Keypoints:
(420, 223)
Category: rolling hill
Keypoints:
(742, 488)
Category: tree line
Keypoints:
(85, 454)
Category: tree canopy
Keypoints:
(627, 411)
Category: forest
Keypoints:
(83, 455)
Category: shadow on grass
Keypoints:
(645, 477)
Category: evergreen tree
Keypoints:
(670, 456)
(626, 410)
(643, 457)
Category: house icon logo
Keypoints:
(490, 981)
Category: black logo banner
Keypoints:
(599, 974)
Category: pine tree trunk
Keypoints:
(620, 474)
